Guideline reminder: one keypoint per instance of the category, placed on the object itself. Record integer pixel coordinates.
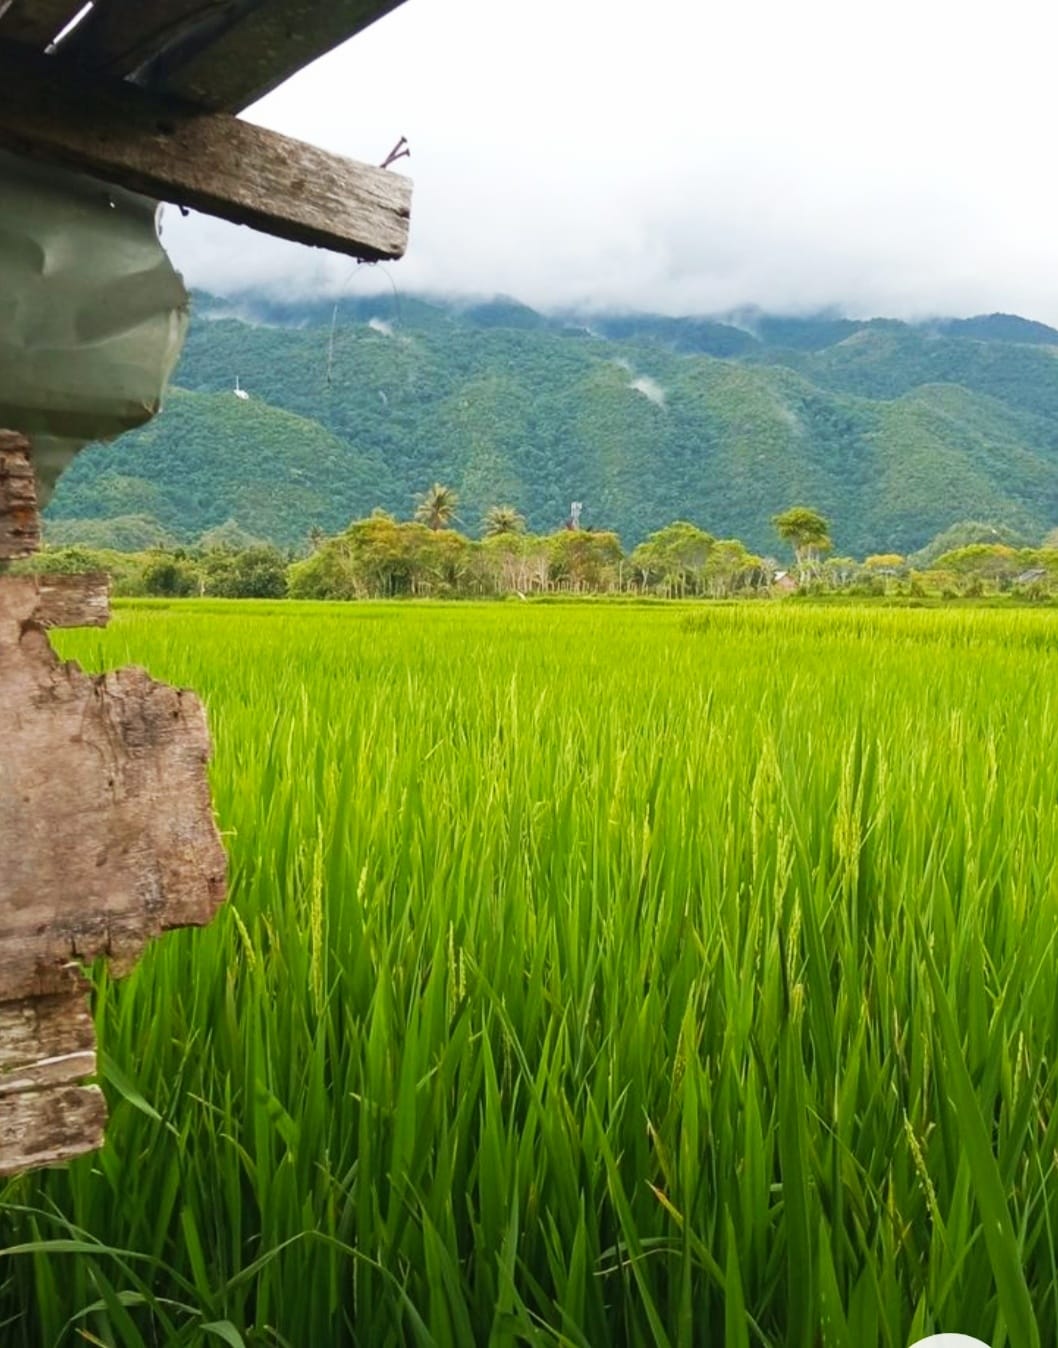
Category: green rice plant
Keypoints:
(591, 975)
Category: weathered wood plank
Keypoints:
(213, 162)
(105, 816)
(36, 22)
(237, 57)
(43, 1127)
(73, 600)
(19, 521)
(46, 1042)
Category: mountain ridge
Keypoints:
(895, 430)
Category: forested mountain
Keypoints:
(893, 430)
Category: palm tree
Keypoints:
(503, 519)
(437, 507)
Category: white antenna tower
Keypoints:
(239, 391)
(574, 513)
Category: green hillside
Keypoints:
(895, 431)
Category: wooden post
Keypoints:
(107, 832)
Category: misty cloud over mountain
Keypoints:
(876, 160)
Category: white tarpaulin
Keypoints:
(92, 313)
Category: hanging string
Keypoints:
(397, 311)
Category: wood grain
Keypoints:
(47, 1046)
(212, 162)
(73, 601)
(46, 1042)
(44, 1127)
(19, 521)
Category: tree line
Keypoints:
(427, 556)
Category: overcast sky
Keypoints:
(892, 157)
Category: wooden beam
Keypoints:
(36, 22)
(218, 55)
(213, 162)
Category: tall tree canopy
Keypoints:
(807, 532)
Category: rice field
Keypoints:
(592, 975)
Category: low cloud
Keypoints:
(816, 160)
(649, 388)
